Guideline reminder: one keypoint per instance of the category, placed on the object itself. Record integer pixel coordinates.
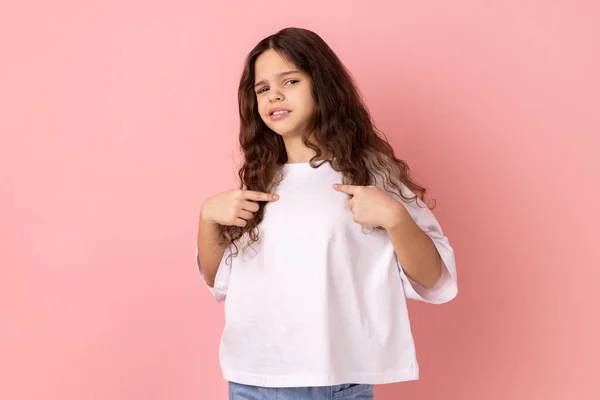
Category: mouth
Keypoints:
(278, 111)
(279, 114)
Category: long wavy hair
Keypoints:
(340, 125)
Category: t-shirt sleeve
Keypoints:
(219, 290)
(447, 286)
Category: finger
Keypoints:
(250, 206)
(350, 189)
(245, 215)
(259, 196)
(240, 222)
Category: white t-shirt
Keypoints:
(316, 301)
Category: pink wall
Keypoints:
(119, 118)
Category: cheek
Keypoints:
(262, 107)
(309, 103)
(309, 107)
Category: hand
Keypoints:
(372, 206)
(233, 207)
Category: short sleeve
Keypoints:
(447, 286)
(219, 290)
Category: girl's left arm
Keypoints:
(416, 251)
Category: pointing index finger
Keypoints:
(260, 196)
(350, 189)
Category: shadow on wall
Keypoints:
(484, 344)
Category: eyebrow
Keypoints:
(279, 75)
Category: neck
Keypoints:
(297, 152)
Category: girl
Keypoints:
(317, 251)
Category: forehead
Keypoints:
(269, 64)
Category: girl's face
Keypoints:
(279, 85)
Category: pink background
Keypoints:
(118, 118)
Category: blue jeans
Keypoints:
(348, 391)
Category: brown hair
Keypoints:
(341, 125)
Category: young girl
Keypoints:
(317, 251)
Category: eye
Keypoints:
(290, 80)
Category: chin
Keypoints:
(286, 133)
(281, 131)
(283, 134)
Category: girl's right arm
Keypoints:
(210, 252)
(233, 207)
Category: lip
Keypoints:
(272, 110)
(279, 116)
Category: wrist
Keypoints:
(204, 216)
(398, 217)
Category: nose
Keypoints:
(275, 95)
